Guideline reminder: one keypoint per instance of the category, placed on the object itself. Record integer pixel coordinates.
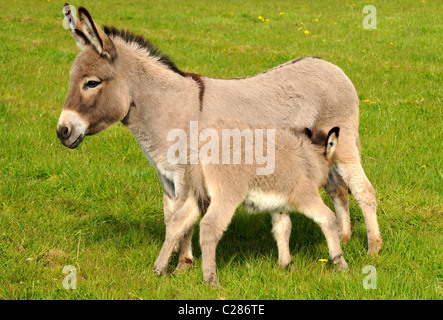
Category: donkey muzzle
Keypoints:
(71, 129)
(64, 134)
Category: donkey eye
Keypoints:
(92, 84)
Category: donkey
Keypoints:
(301, 167)
(119, 76)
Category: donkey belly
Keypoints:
(259, 201)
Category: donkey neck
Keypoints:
(162, 100)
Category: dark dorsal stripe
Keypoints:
(201, 85)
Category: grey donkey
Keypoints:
(119, 76)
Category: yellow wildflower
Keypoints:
(281, 13)
(323, 260)
(300, 28)
(301, 23)
(316, 20)
(391, 43)
(53, 177)
(423, 166)
(306, 32)
(366, 100)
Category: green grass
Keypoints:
(99, 207)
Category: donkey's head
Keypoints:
(98, 96)
(326, 142)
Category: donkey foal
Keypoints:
(302, 164)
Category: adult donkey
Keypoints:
(121, 77)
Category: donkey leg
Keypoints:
(281, 228)
(184, 245)
(169, 205)
(313, 207)
(212, 226)
(338, 191)
(185, 259)
(364, 194)
(180, 223)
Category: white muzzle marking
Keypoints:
(75, 124)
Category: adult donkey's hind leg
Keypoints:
(364, 194)
(339, 194)
(349, 167)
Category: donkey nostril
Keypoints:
(64, 132)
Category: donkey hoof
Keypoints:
(183, 265)
(374, 247)
(285, 264)
(343, 267)
(340, 263)
(212, 280)
(159, 270)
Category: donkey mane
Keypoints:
(130, 37)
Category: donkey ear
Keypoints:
(95, 35)
(74, 26)
(331, 141)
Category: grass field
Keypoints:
(99, 207)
